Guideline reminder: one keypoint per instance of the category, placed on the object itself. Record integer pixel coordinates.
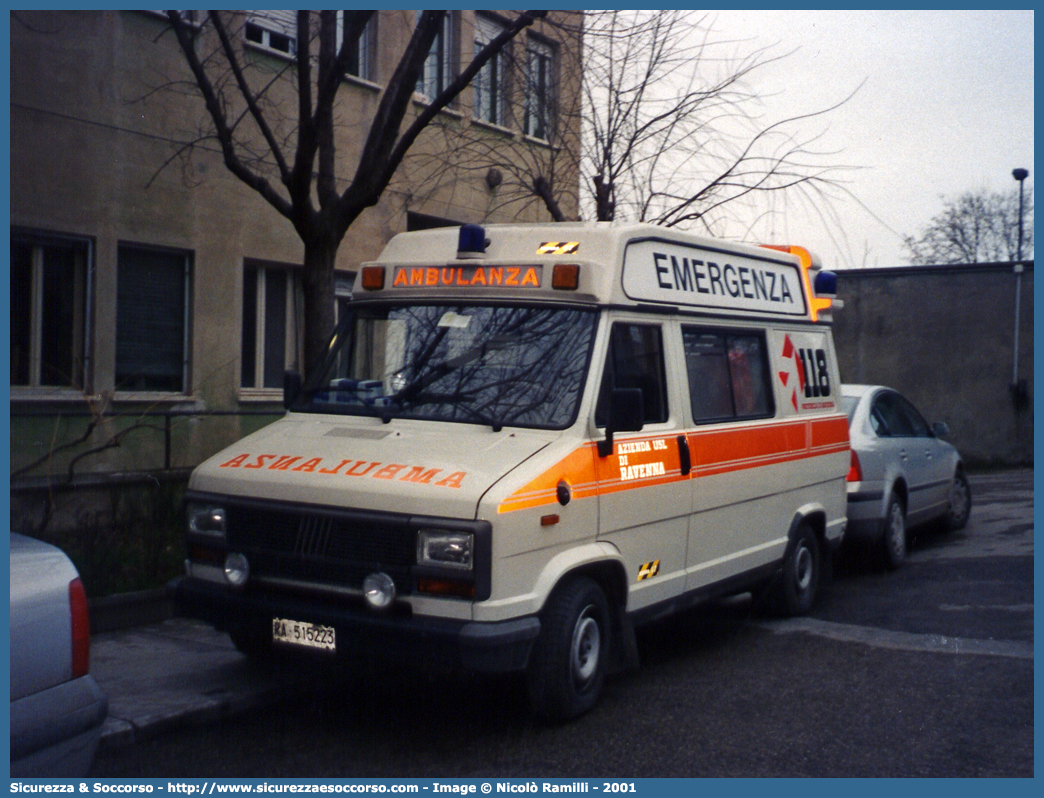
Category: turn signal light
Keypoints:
(206, 555)
(446, 587)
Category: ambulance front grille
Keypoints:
(333, 548)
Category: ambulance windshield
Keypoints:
(491, 365)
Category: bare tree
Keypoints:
(290, 157)
(976, 227)
(670, 130)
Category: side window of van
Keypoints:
(728, 374)
(635, 360)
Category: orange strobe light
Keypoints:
(373, 278)
(816, 303)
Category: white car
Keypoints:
(57, 709)
(902, 473)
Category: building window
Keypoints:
(151, 319)
(271, 324)
(490, 83)
(438, 67)
(193, 18)
(540, 64)
(49, 310)
(362, 51)
(424, 221)
(275, 30)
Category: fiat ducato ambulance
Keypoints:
(525, 441)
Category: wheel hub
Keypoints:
(586, 647)
(803, 568)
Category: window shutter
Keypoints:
(284, 22)
(150, 320)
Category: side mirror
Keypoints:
(292, 383)
(626, 414)
(940, 430)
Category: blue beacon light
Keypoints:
(472, 241)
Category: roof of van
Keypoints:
(509, 240)
(619, 263)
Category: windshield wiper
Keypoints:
(453, 400)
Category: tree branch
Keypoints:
(214, 108)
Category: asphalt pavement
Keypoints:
(175, 672)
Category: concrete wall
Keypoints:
(944, 336)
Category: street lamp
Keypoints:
(1020, 175)
(1018, 388)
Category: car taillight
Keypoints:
(855, 471)
(81, 629)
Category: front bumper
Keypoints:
(488, 647)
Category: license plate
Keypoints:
(308, 635)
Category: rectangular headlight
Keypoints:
(206, 519)
(444, 548)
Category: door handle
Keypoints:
(686, 455)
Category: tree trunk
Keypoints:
(318, 285)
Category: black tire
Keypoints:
(569, 661)
(893, 534)
(802, 570)
(960, 502)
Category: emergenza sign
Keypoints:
(680, 274)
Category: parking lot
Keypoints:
(927, 671)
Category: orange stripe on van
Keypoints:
(714, 451)
(828, 434)
(577, 469)
(717, 451)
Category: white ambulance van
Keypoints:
(526, 440)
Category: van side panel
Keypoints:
(750, 477)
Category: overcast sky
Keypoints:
(946, 107)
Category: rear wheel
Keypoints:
(893, 534)
(960, 502)
(569, 662)
(802, 569)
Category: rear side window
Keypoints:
(894, 417)
(728, 374)
(635, 360)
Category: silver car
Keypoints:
(902, 473)
(57, 709)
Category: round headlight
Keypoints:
(237, 569)
(379, 590)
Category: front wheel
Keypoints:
(960, 502)
(569, 661)
(799, 582)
